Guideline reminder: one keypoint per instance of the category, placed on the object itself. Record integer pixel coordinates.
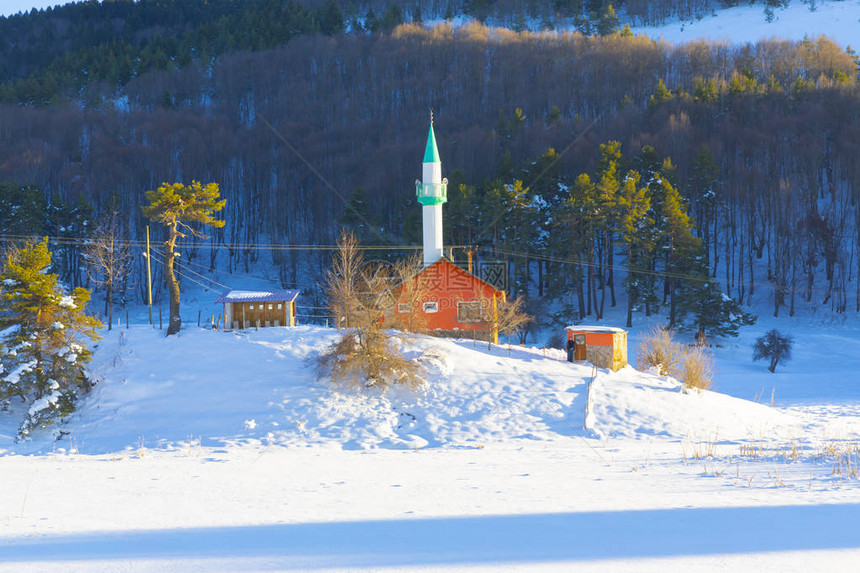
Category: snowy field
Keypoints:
(216, 451)
(836, 19)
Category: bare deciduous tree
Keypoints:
(359, 294)
(411, 291)
(109, 260)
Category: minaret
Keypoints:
(431, 194)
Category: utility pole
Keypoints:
(148, 275)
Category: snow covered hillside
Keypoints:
(216, 388)
(839, 20)
(222, 451)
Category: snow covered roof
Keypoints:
(258, 296)
(586, 328)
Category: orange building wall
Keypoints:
(447, 284)
(593, 338)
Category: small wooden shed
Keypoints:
(603, 346)
(251, 309)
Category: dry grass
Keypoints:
(698, 368)
(658, 348)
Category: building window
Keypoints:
(279, 306)
(270, 306)
(431, 307)
(469, 311)
(252, 307)
(403, 308)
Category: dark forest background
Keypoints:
(312, 116)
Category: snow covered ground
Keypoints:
(222, 451)
(837, 19)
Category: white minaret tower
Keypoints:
(431, 194)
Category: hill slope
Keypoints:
(216, 388)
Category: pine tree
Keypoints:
(682, 251)
(607, 188)
(580, 214)
(607, 23)
(42, 357)
(635, 228)
(175, 205)
(703, 186)
(714, 312)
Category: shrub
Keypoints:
(358, 297)
(556, 340)
(773, 346)
(366, 358)
(658, 348)
(698, 368)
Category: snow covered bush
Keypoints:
(658, 348)
(697, 369)
(42, 358)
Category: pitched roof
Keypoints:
(445, 262)
(258, 296)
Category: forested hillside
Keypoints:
(734, 162)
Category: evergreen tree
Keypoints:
(635, 228)
(580, 214)
(713, 312)
(358, 219)
(330, 18)
(392, 17)
(681, 249)
(22, 210)
(174, 206)
(703, 187)
(607, 23)
(607, 188)
(42, 357)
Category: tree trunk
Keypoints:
(174, 322)
(629, 311)
(110, 304)
(613, 302)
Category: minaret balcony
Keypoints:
(432, 193)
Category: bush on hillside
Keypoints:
(358, 297)
(658, 348)
(697, 368)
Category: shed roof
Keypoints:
(258, 296)
(585, 328)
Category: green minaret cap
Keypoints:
(431, 152)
